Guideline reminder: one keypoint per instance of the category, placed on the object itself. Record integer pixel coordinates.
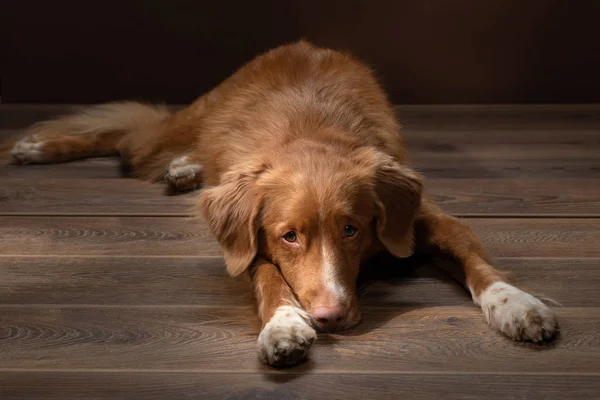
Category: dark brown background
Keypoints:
(426, 51)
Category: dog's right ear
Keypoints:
(232, 211)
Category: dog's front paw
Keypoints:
(286, 338)
(518, 314)
(183, 174)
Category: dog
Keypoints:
(303, 178)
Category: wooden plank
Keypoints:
(544, 237)
(440, 117)
(193, 281)
(453, 117)
(510, 161)
(94, 169)
(148, 385)
(120, 280)
(446, 138)
(90, 196)
(166, 236)
(570, 282)
(520, 197)
(219, 340)
(495, 197)
(155, 236)
(189, 281)
(489, 149)
(517, 114)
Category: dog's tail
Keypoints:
(93, 131)
(121, 117)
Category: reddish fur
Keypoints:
(300, 138)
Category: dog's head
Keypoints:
(317, 215)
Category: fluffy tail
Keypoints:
(94, 131)
(110, 117)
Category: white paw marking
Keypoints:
(28, 150)
(517, 314)
(182, 174)
(286, 338)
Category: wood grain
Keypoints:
(192, 281)
(444, 137)
(121, 281)
(571, 282)
(522, 197)
(165, 236)
(147, 385)
(510, 115)
(508, 161)
(90, 196)
(494, 197)
(217, 340)
(92, 169)
(543, 237)
(158, 236)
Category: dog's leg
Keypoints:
(286, 332)
(94, 131)
(184, 173)
(507, 308)
(50, 147)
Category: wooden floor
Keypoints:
(109, 290)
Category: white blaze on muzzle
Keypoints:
(331, 276)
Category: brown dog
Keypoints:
(305, 175)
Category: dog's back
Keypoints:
(295, 91)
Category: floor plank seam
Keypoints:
(220, 258)
(292, 372)
(192, 216)
(143, 256)
(450, 308)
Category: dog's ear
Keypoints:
(232, 211)
(398, 198)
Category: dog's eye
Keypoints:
(290, 237)
(349, 231)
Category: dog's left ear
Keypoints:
(232, 211)
(398, 192)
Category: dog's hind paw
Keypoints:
(286, 338)
(29, 150)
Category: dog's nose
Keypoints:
(329, 316)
